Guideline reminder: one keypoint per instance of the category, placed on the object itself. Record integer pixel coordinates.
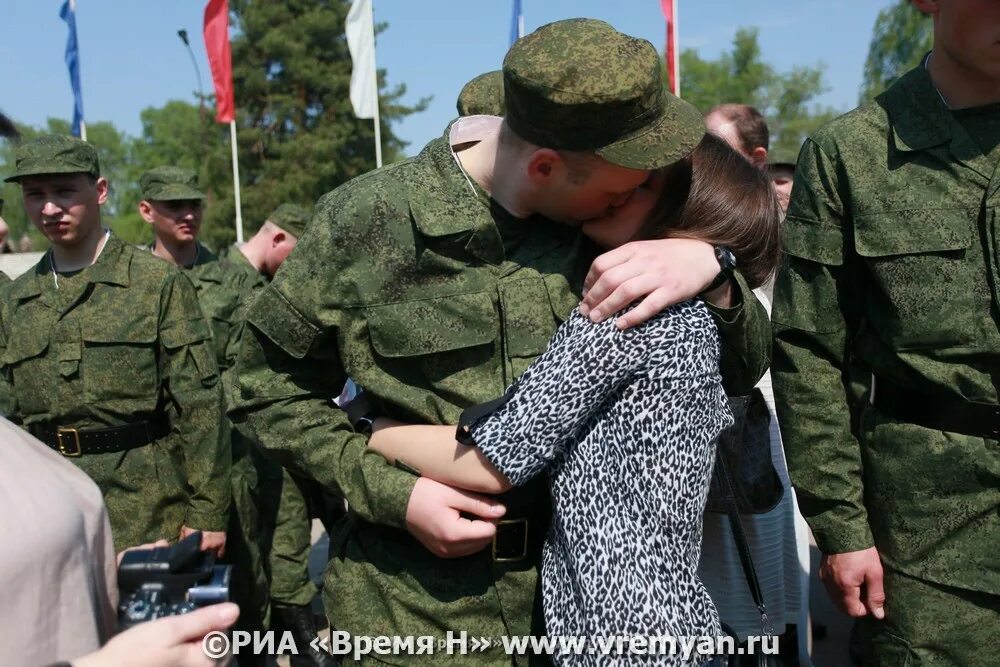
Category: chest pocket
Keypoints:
(119, 359)
(445, 343)
(31, 369)
(923, 264)
(532, 309)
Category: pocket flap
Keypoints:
(21, 347)
(913, 231)
(275, 317)
(813, 241)
(185, 332)
(427, 326)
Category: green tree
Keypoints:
(900, 38)
(740, 75)
(298, 136)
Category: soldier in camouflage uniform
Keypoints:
(434, 283)
(890, 293)
(172, 204)
(108, 359)
(286, 503)
(482, 95)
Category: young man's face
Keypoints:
(969, 30)
(620, 225)
(176, 221)
(66, 208)
(591, 193)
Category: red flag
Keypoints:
(220, 58)
(670, 54)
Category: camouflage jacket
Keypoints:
(222, 291)
(433, 299)
(891, 271)
(131, 344)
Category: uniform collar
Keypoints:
(919, 117)
(112, 267)
(443, 203)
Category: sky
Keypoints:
(132, 58)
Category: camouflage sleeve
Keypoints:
(289, 369)
(287, 373)
(191, 379)
(745, 333)
(813, 314)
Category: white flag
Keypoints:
(361, 41)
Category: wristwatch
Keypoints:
(727, 264)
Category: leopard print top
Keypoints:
(624, 423)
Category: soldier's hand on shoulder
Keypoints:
(661, 273)
(434, 517)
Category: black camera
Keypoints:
(166, 581)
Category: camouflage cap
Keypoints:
(581, 85)
(169, 183)
(482, 95)
(290, 218)
(54, 154)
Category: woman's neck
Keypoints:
(178, 254)
(80, 255)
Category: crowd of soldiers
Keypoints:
(435, 282)
(129, 383)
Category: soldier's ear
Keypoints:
(146, 211)
(103, 190)
(543, 165)
(278, 238)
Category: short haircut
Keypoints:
(716, 195)
(750, 125)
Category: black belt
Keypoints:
(980, 420)
(515, 540)
(75, 442)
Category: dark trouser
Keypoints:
(931, 624)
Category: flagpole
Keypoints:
(83, 125)
(378, 125)
(677, 52)
(236, 183)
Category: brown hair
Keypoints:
(749, 123)
(716, 195)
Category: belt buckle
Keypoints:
(73, 452)
(524, 548)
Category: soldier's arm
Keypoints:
(664, 272)
(289, 370)
(814, 313)
(287, 373)
(745, 337)
(190, 377)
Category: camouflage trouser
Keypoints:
(931, 624)
(290, 545)
(248, 586)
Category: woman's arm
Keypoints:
(433, 452)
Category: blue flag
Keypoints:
(68, 14)
(516, 23)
